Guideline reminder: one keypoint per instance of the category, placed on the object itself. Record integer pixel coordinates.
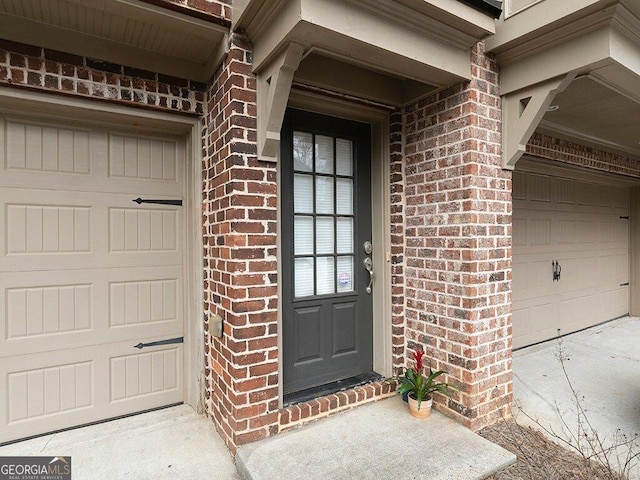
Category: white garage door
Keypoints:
(578, 224)
(86, 274)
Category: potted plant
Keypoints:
(419, 387)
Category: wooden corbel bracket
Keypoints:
(273, 88)
(522, 111)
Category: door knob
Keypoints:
(368, 265)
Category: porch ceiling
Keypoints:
(391, 51)
(128, 32)
(595, 41)
(595, 114)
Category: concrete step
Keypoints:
(377, 441)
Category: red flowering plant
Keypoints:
(418, 386)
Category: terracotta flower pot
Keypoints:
(425, 407)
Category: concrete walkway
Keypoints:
(378, 441)
(172, 443)
(603, 365)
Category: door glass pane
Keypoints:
(345, 235)
(345, 274)
(303, 151)
(344, 196)
(303, 235)
(324, 233)
(324, 154)
(303, 194)
(303, 277)
(325, 275)
(344, 159)
(324, 195)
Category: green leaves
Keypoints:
(421, 387)
(417, 385)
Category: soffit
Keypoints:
(590, 112)
(414, 45)
(128, 32)
(598, 41)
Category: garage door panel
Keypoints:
(611, 197)
(143, 230)
(519, 231)
(539, 231)
(620, 301)
(45, 148)
(47, 229)
(564, 191)
(86, 274)
(605, 229)
(606, 267)
(536, 282)
(38, 155)
(538, 188)
(586, 193)
(541, 322)
(567, 232)
(143, 158)
(590, 241)
(621, 267)
(84, 386)
(43, 311)
(42, 389)
(579, 272)
(621, 232)
(143, 302)
(39, 313)
(521, 318)
(144, 374)
(50, 390)
(68, 233)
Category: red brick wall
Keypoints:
(549, 148)
(458, 243)
(219, 9)
(36, 68)
(240, 283)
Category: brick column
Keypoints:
(239, 222)
(458, 243)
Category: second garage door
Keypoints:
(86, 274)
(583, 226)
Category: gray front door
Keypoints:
(326, 221)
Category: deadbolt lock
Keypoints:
(368, 248)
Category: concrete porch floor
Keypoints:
(373, 441)
(172, 443)
(379, 441)
(603, 365)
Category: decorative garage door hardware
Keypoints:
(177, 203)
(625, 284)
(169, 341)
(557, 269)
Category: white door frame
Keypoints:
(104, 114)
